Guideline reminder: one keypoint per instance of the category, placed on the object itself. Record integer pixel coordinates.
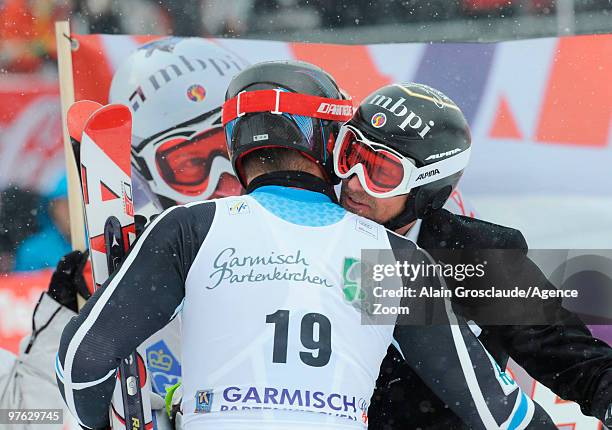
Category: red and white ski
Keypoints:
(105, 171)
(77, 117)
(106, 180)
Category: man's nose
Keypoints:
(353, 184)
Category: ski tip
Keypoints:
(110, 117)
(78, 114)
(110, 130)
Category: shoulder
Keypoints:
(189, 223)
(398, 241)
(185, 214)
(458, 204)
(443, 229)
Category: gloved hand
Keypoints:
(68, 280)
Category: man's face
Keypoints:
(354, 199)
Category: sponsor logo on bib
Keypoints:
(238, 207)
(232, 267)
(291, 399)
(164, 367)
(351, 279)
(204, 399)
(363, 405)
(367, 227)
(352, 270)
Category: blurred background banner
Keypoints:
(18, 293)
(30, 132)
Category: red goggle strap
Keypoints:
(279, 102)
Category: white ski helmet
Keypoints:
(175, 88)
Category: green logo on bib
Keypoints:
(351, 280)
(351, 285)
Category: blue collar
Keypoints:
(299, 206)
(298, 194)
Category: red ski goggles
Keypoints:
(382, 171)
(187, 164)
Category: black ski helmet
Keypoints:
(422, 124)
(311, 136)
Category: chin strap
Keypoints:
(419, 205)
(294, 179)
(407, 216)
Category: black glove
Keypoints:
(68, 280)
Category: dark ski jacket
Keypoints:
(565, 357)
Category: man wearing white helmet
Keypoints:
(175, 88)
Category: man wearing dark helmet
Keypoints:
(400, 157)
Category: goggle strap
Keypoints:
(438, 170)
(279, 102)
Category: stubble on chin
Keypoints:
(363, 211)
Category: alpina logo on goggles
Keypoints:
(382, 171)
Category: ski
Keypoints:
(103, 150)
(77, 117)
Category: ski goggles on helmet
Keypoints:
(185, 163)
(384, 172)
(279, 101)
(300, 108)
(188, 162)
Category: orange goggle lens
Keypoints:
(383, 169)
